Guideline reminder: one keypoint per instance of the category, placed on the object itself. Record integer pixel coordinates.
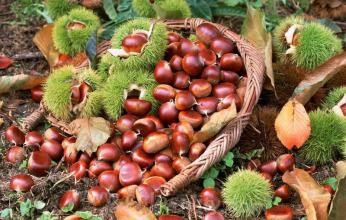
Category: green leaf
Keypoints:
(228, 159)
(39, 204)
(232, 3)
(109, 8)
(6, 213)
(332, 181)
(90, 48)
(228, 11)
(47, 216)
(212, 172)
(68, 208)
(276, 200)
(200, 9)
(23, 165)
(209, 182)
(25, 208)
(257, 4)
(331, 25)
(84, 214)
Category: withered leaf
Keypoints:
(338, 206)
(314, 197)
(339, 108)
(216, 122)
(90, 132)
(292, 125)
(131, 210)
(5, 62)
(20, 82)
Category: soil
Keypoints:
(17, 39)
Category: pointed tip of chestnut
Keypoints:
(283, 192)
(21, 182)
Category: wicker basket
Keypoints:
(229, 136)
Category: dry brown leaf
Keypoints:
(336, 211)
(314, 197)
(20, 82)
(5, 62)
(90, 132)
(318, 77)
(216, 122)
(340, 108)
(292, 125)
(131, 210)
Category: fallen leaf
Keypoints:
(314, 197)
(340, 169)
(340, 108)
(338, 205)
(254, 30)
(292, 125)
(20, 82)
(216, 122)
(5, 62)
(90, 132)
(318, 77)
(131, 210)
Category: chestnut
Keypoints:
(134, 43)
(172, 49)
(328, 188)
(229, 76)
(181, 80)
(213, 215)
(75, 95)
(96, 167)
(180, 163)
(128, 140)
(145, 195)
(73, 217)
(168, 113)
(186, 128)
(285, 163)
(283, 192)
(53, 134)
(196, 150)
(159, 158)
(184, 100)
(108, 152)
(137, 107)
(15, 155)
(192, 64)
(33, 138)
(39, 163)
(109, 180)
(222, 45)
(68, 142)
(266, 176)
(281, 212)
(164, 170)
(143, 159)
(53, 149)
(36, 93)
(163, 73)
(144, 126)
(173, 37)
(164, 93)
(200, 88)
(212, 74)
(155, 142)
(194, 118)
(176, 63)
(186, 47)
(208, 57)
(122, 160)
(70, 154)
(156, 120)
(155, 182)
(228, 100)
(210, 197)
(180, 143)
(79, 170)
(207, 32)
(129, 174)
(14, 135)
(69, 197)
(232, 62)
(253, 164)
(170, 217)
(269, 167)
(21, 182)
(207, 105)
(127, 192)
(98, 196)
(125, 122)
(224, 89)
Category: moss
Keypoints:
(334, 97)
(246, 193)
(316, 44)
(143, 8)
(152, 53)
(74, 41)
(328, 137)
(58, 8)
(172, 9)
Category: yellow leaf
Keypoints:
(292, 125)
(131, 210)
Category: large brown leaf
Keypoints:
(338, 206)
(314, 197)
(90, 132)
(318, 77)
(20, 82)
(132, 211)
(216, 122)
(292, 125)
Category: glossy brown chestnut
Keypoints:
(207, 32)
(96, 167)
(269, 167)
(53, 149)
(186, 128)
(70, 197)
(194, 118)
(185, 47)
(266, 176)
(221, 46)
(109, 180)
(281, 212)
(39, 163)
(134, 43)
(75, 95)
(53, 133)
(329, 189)
(170, 217)
(162, 158)
(79, 170)
(193, 64)
(144, 126)
(98, 196)
(196, 150)
(200, 88)
(33, 138)
(232, 62)
(145, 195)
(224, 89)
(213, 215)
(15, 155)
(210, 197)
(14, 135)
(176, 63)
(143, 159)
(181, 80)
(283, 192)
(155, 182)
(70, 154)
(228, 100)
(125, 122)
(164, 93)
(155, 142)
(208, 57)
(127, 192)
(164, 170)
(122, 160)
(163, 73)
(184, 100)
(173, 37)
(128, 140)
(229, 76)
(180, 143)
(168, 113)
(172, 49)
(137, 107)
(207, 105)
(130, 174)
(108, 152)
(200, 46)
(180, 163)
(212, 74)
(21, 182)
(36, 94)
(285, 163)
(156, 120)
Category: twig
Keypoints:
(26, 56)
(62, 180)
(194, 207)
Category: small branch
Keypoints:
(27, 56)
